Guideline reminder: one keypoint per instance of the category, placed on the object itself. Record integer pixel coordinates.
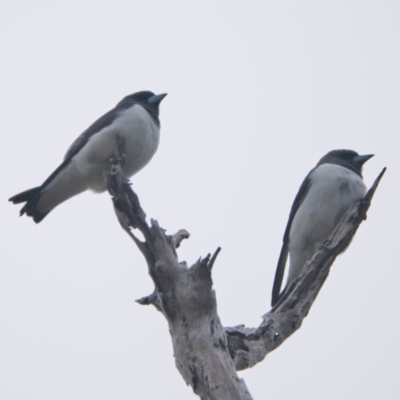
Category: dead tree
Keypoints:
(207, 354)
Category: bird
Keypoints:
(325, 195)
(133, 124)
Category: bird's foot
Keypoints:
(118, 160)
(323, 245)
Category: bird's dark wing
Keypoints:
(104, 121)
(280, 269)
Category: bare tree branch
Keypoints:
(186, 299)
(248, 346)
(206, 354)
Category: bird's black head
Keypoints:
(346, 158)
(146, 99)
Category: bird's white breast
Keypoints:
(140, 137)
(332, 190)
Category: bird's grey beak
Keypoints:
(360, 160)
(156, 99)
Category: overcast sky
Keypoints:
(258, 92)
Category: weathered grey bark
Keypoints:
(206, 354)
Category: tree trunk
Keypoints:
(206, 354)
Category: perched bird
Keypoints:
(324, 196)
(133, 124)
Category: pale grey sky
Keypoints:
(258, 92)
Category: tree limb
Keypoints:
(248, 346)
(206, 354)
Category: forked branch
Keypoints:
(207, 354)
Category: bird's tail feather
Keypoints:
(31, 197)
(25, 196)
